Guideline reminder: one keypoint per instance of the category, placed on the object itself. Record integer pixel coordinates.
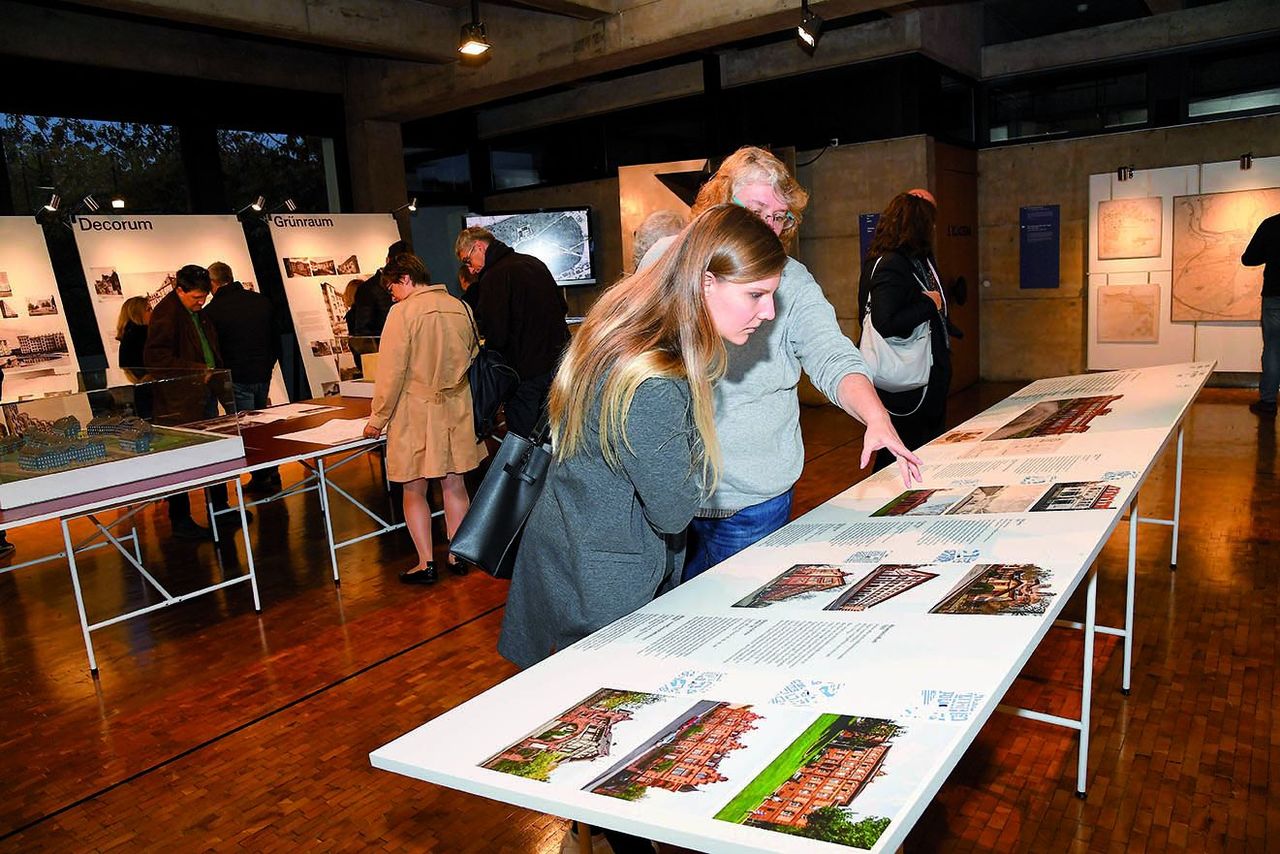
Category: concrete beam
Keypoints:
(62, 35)
(400, 29)
(586, 10)
(533, 51)
(874, 40)
(1230, 19)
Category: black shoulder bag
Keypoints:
(492, 381)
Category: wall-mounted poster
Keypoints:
(320, 256)
(33, 330)
(1130, 228)
(1129, 314)
(1039, 250)
(1210, 233)
(139, 255)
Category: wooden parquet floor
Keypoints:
(215, 728)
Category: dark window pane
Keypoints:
(278, 166)
(1053, 107)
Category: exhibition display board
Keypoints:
(138, 255)
(320, 256)
(34, 338)
(1165, 279)
(815, 690)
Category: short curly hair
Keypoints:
(752, 165)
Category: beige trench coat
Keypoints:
(420, 390)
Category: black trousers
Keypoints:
(918, 425)
(527, 404)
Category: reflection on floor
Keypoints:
(215, 727)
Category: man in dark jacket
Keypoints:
(1264, 248)
(520, 311)
(179, 339)
(249, 342)
(373, 300)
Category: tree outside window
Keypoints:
(277, 166)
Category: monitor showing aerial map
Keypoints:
(560, 238)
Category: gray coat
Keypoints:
(596, 546)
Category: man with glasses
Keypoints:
(521, 314)
(757, 407)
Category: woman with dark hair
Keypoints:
(901, 282)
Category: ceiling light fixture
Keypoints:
(473, 42)
(810, 29)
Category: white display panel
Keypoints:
(1234, 345)
(137, 255)
(34, 338)
(319, 256)
(814, 691)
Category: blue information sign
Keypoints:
(1038, 246)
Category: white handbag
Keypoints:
(897, 364)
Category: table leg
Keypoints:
(328, 517)
(75, 585)
(213, 519)
(1130, 584)
(584, 838)
(1177, 504)
(248, 547)
(1086, 688)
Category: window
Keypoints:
(1053, 107)
(279, 166)
(1244, 81)
(140, 163)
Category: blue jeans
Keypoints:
(1270, 380)
(714, 540)
(250, 395)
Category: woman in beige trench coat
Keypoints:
(422, 399)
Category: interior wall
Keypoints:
(954, 184)
(1028, 334)
(606, 228)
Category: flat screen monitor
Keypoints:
(560, 238)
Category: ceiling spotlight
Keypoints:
(810, 29)
(473, 42)
(117, 203)
(1124, 173)
(1246, 160)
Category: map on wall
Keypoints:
(1130, 228)
(1210, 232)
(1128, 314)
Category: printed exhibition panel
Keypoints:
(34, 338)
(320, 256)
(814, 691)
(139, 255)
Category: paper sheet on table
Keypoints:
(295, 410)
(334, 432)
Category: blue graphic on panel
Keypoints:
(1038, 244)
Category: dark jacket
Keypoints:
(173, 345)
(132, 343)
(369, 309)
(248, 335)
(1264, 248)
(520, 310)
(601, 540)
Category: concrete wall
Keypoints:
(1041, 333)
(606, 228)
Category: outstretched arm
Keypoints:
(858, 398)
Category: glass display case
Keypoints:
(67, 433)
(358, 374)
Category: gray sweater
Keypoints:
(757, 407)
(596, 544)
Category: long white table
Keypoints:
(815, 691)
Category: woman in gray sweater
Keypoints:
(634, 432)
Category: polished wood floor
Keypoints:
(212, 727)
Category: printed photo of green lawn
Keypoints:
(807, 789)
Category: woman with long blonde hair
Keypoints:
(634, 432)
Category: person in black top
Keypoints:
(1264, 248)
(521, 314)
(373, 300)
(901, 283)
(249, 341)
(131, 332)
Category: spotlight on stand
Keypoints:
(1124, 173)
(48, 212)
(90, 204)
(287, 205)
(411, 206)
(473, 43)
(251, 210)
(810, 29)
(1246, 160)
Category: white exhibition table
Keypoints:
(820, 686)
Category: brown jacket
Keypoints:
(173, 346)
(421, 393)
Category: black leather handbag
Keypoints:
(492, 381)
(490, 532)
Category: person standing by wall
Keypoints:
(1264, 249)
(131, 332)
(249, 341)
(521, 314)
(373, 300)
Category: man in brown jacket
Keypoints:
(180, 339)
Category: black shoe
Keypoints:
(187, 529)
(421, 576)
(1263, 408)
(6, 548)
(456, 565)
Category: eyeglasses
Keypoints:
(782, 220)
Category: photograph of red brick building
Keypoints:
(800, 580)
(999, 588)
(1088, 495)
(1056, 417)
(880, 585)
